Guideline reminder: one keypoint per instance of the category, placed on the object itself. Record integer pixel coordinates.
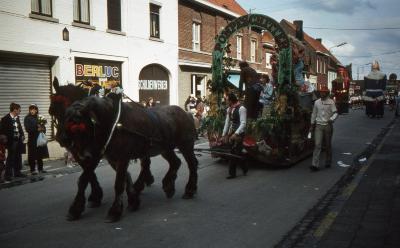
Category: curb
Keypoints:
(308, 231)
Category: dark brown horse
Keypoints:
(63, 97)
(139, 133)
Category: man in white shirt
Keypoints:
(322, 118)
(233, 133)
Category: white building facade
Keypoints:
(130, 43)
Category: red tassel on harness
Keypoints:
(76, 127)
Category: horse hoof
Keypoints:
(72, 217)
(170, 194)
(149, 181)
(188, 196)
(133, 205)
(112, 219)
(94, 204)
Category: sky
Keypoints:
(363, 46)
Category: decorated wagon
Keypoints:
(282, 137)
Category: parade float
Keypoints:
(281, 138)
(340, 91)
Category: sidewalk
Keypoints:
(370, 216)
(55, 168)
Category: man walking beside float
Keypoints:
(322, 118)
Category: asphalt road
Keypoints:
(256, 210)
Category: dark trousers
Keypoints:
(14, 160)
(236, 149)
(32, 164)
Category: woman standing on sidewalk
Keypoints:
(34, 125)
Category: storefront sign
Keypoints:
(96, 71)
(153, 84)
(105, 73)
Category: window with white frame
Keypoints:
(239, 47)
(154, 21)
(114, 14)
(268, 60)
(81, 11)
(42, 7)
(196, 36)
(317, 65)
(253, 46)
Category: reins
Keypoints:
(113, 128)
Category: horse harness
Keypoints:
(151, 140)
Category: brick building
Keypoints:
(199, 23)
(318, 59)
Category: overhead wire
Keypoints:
(368, 56)
(355, 29)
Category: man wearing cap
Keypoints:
(322, 118)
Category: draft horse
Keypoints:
(61, 99)
(140, 133)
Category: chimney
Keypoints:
(299, 30)
(319, 40)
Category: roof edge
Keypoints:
(216, 7)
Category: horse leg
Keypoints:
(169, 179)
(191, 186)
(145, 176)
(115, 212)
(78, 205)
(96, 194)
(133, 195)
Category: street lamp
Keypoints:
(338, 45)
(65, 34)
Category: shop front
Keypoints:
(25, 79)
(103, 72)
(154, 82)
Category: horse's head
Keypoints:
(87, 125)
(63, 97)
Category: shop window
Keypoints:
(239, 47)
(253, 46)
(154, 21)
(196, 36)
(268, 61)
(42, 7)
(81, 11)
(114, 14)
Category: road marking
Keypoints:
(325, 224)
(349, 190)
